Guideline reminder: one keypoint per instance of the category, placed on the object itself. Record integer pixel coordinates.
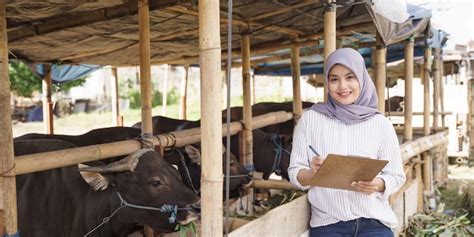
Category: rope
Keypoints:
(173, 209)
(4, 173)
(188, 175)
(279, 150)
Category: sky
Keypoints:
(453, 16)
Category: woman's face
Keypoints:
(343, 85)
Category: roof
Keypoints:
(105, 32)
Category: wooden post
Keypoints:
(470, 117)
(145, 77)
(183, 93)
(426, 91)
(115, 97)
(247, 144)
(47, 103)
(441, 89)
(165, 91)
(436, 88)
(380, 72)
(210, 63)
(252, 87)
(296, 74)
(7, 164)
(329, 34)
(409, 54)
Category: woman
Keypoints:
(348, 124)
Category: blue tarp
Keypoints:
(63, 73)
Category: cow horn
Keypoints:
(126, 164)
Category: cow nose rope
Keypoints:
(278, 153)
(166, 208)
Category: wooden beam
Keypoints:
(242, 23)
(436, 87)
(82, 19)
(7, 162)
(211, 166)
(183, 92)
(426, 91)
(282, 10)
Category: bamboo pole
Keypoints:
(145, 68)
(409, 54)
(329, 35)
(183, 93)
(436, 89)
(44, 161)
(441, 89)
(296, 74)
(210, 63)
(380, 72)
(252, 88)
(399, 113)
(165, 91)
(7, 164)
(145, 77)
(247, 106)
(426, 91)
(115, 97)
(427, 173)
(247, 135)
(47, 103)
(273, 184)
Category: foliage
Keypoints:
(135, 101)
(66, 86)
(184, 229)
(437, 223)
(23, 81)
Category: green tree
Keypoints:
(22, 81)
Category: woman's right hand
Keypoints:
(316, 163)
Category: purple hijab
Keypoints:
(366, 105)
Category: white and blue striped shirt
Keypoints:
(374, 138)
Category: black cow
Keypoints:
(163, 124)
(93, 137)
(396, 103)
(65, 202)
(187, 159)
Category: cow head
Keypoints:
(188, 160)
(146, 179)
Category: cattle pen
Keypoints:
(169, 32)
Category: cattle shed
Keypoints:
(184, 32)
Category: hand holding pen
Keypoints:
(316, 161)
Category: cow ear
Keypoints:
(193, 153)
(95, 180)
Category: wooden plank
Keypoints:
(291, 219)
(282, 10)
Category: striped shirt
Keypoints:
(374, 138)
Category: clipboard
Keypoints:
(339, 171)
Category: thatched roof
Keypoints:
(106, 31)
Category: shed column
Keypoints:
(296, 74)
(380, 72)
(436, 88)
(211, 123)
(115, 98)
(426, 118)
(47, 103)
(183, 93)
(408, 110)
(329, 34)
(7, 164)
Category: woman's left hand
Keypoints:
(369, 187)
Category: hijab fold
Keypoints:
(366, 105)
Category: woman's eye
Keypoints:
(350, 77)
(333, 79)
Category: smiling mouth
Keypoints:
(344, 94)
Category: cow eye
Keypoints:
(155, 183)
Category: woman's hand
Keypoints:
(305, 175)
(369, 187)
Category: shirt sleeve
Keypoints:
(298, 158)
(392, 174)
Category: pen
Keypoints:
(314, 150)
